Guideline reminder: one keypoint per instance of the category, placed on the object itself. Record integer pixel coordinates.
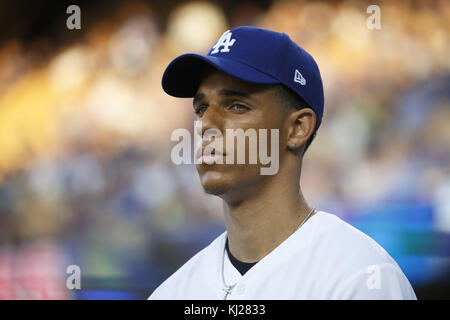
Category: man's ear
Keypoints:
(301, 124)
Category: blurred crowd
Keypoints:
(85, 170)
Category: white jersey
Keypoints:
(325, 259)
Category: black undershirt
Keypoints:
(242, 267)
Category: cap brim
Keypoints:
(182, 76)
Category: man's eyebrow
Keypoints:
(234, 93)
(223, 92)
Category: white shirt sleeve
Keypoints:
(377, 282)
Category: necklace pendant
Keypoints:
(227, 291)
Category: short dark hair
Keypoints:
(293, 101)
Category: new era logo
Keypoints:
(299, 78)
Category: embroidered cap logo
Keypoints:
(225, 41)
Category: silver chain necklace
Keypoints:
(228, 288)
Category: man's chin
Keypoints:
(227, 183)
(214, 183)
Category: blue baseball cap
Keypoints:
(254, 55)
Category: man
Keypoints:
(275, 245)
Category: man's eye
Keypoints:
(200, 110)
(239, 107)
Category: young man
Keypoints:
(275, 245)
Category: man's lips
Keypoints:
(214, 152)
(212, 159)
(209, 156)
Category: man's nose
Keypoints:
(211, 120)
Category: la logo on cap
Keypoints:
(299, 78)
(225, 41)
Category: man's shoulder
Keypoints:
(194, 267)
(342, 240)
(350, 261)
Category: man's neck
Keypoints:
(260, 223)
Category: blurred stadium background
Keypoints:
(85, 170)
